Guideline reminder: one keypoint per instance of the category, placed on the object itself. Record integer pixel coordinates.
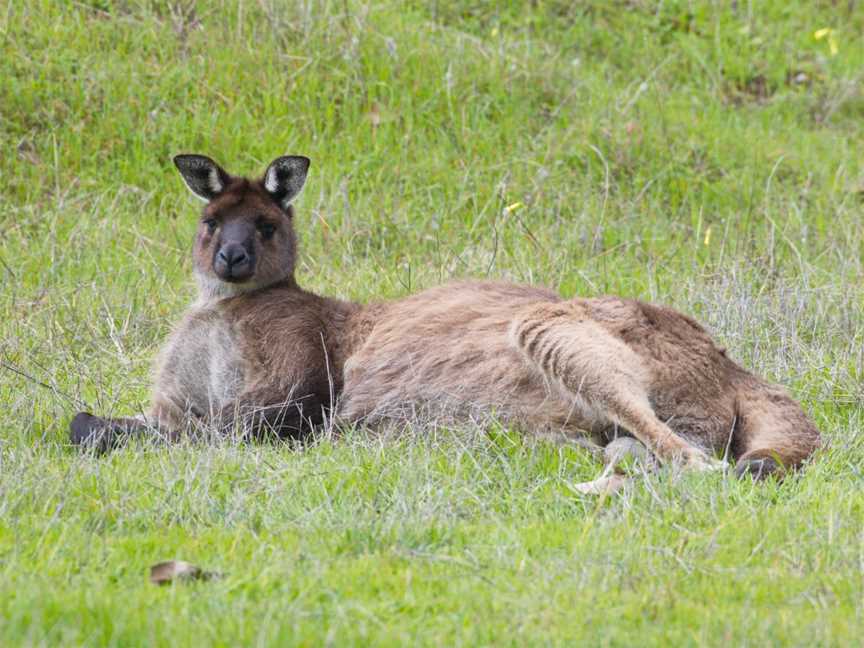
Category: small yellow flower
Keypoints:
(831, 35)
(707, 236)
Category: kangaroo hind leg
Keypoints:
(590, 364)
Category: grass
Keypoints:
(704, 155)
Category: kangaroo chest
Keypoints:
(202, 367)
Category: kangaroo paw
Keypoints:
(100, 434)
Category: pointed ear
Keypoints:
(285, 178)
(203, 176)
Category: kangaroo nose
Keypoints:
(232, 255)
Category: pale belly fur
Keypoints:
(201, 369)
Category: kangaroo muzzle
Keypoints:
(234, 262)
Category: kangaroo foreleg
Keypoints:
(104, 434)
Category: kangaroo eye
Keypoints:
(267, 230)
(211, 224)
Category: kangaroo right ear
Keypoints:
(203, 176)
(285, 177)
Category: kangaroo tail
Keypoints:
(773, 434)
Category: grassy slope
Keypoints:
(658, 150)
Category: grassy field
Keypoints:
(703, 155)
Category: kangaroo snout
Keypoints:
(234, 262)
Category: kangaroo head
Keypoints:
(245, 237)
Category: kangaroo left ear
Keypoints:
(285, 178)
(203, 176)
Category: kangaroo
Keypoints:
(257, 353)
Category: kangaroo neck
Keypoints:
(212, 291)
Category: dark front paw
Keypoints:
(92, 432)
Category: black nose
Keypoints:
(233, 255)
(234, 262)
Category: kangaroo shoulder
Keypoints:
(289, 332)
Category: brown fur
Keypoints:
(276, 356)
(582, 365)
(251, 355)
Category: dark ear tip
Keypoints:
(181, 160)
(296, 159)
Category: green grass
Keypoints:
(696, 154)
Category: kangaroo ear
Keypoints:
(285, 178)
(203, 176)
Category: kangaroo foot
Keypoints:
(758, 469)
(622, 456)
